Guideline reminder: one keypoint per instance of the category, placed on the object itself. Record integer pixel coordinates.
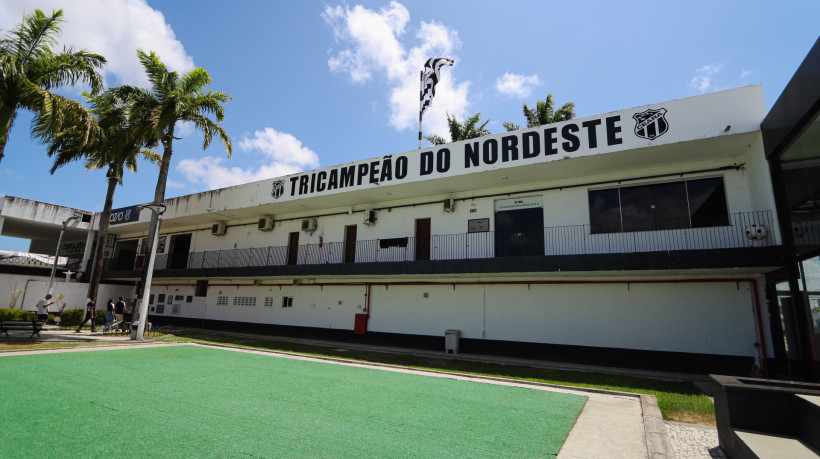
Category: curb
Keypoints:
(658, 445)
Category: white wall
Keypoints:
(700, 317)
(36, 287)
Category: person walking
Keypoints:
(42, 309)
(109, 315)
(90, 309)
(118, 312)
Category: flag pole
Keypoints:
(421, 101)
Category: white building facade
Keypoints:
(640, 237)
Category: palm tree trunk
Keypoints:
(159, 197)
(102, 235)
(7, 114)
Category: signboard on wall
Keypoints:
(525, 202)
(478, 225)
(124, 215)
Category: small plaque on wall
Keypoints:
(478, 225)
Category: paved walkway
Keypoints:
(612, 425)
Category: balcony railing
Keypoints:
(750, 229)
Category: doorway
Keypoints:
(519, 232)
(293, 248)
(350, 244)
(422, 239)
(179, 250)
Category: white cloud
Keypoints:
(702, 81)
(744, 74)
(372, 50)
(112, 28)
(174, 184)
(284, 154)
(513, 85)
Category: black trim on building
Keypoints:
(600, 356)
(748, 257)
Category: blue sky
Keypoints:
(316, 84)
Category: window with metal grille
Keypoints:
(222, 301)
(287, 302)
(201, 288)
(269, 301)
(244, 301)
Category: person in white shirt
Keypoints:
(42, 309)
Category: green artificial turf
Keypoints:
(187, 401)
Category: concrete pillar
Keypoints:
(89, 243)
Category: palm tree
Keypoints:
(544, 113)
(30, 68)
(115, 145)
(470, 129)
(175, 98)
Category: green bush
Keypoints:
(17, 314)
(71, 317)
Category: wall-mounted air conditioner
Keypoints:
(309, 225)
(218, 229)
(265, 223)
(369, 217)
(449, 205)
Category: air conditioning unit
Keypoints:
(309, 225)
(449, 205)
(369, 217)
(218, 229)
(265, 223)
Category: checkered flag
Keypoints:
(429, 79)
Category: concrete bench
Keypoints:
(35, 326)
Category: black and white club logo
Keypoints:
(651, 124)
(278, 188)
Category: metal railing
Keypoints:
(749, 229)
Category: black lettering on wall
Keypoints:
(443, 160)
(612, 131)
(426, 164)
(401, 167)
(320, 181)
(490, 151)
(374, 172)
(592, 135)
(347, 176)
(531, 145)
(509, 148)
(550, 141)
(387, 170)
(361, 174)
(471, 153)
(293, 181)
(572, 142)
(303, 184)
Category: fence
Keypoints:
(749, 229)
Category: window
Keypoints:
(201, 288)
(268, 301)
(189, 299)
(161, 298)
(244, 301)
(660, 206)
(287, 302)
(222, 301)
(160, 309)
(151, 299)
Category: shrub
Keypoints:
(17, 314)
(71, 317)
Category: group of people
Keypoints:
(113, 314)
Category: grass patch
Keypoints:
(186, 401)
(678, 401)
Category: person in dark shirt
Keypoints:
(90, 309)
(118, 312)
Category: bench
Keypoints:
(34, 325)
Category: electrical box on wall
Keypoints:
(449, 205)
(309, 224)
(218, 229)
(369, 217)
(265, 223)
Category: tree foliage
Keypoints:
(544, 112)
(469, 129)
(30, 68)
